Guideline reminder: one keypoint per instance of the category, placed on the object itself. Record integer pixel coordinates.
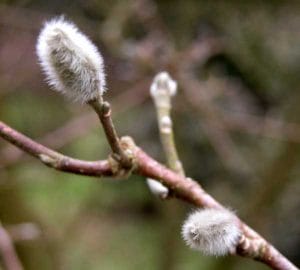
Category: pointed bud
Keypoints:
(212, 231)
(157, 188)
(163, 84)
(71, 62)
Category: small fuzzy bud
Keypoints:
(157, 188)
(212, 231)
(166, 124)
(71, 62)
(163, 84)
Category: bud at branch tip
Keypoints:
(163, 84)
(71, 62)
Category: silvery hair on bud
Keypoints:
(71, 62)
(157, 188)
(212, 231)
(163, 83)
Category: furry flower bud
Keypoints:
(163, 84)
(212, 231)
(157, 188)
(71, 62)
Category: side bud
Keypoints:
(212, 231)
(71, 62)
(157, 188)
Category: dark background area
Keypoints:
(236, 118)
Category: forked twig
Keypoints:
(251, 245)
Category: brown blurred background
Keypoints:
(236, 118)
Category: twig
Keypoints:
(8, 252)
(161, 92)
(103, 111)
(251, 245)
(54, 159)
(71, 130)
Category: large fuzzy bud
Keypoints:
(71, 62)
(212, 231)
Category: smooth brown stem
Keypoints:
(8, 253)
(54, 159)
(252, 245)
(103, 111)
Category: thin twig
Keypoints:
(252, 245)
(54, 159)
(8, 252)
(103, 111)
(161, 93)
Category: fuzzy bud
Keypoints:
(71, 62)
(212, 231)
(157, 188)
(163, 84)
(166, 124)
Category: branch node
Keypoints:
(106, 109)
(49, 161)
(102, 108)
(129, 148)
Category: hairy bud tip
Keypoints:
(212, 231)
(163, 83)
(71, 62)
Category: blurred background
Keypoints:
(236, 118)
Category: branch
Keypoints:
(252, 245)
(54, 159)
(103, 111)
(8, 252)
(162, 89)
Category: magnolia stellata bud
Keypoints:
(164, 84)
(71, 62)
(157, 188)
(212, 231)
